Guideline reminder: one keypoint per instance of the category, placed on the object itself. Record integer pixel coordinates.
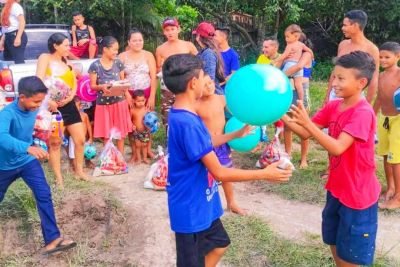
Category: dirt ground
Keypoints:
(141, 236)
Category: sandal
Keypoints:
(60, 247)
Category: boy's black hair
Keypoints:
(357, 16)
(390, 46)
(138, 93)
(225, 30)
(361, 61)
(76, 13)
(30, 86)
(179, 69)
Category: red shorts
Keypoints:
(83, 50)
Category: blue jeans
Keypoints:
(33, 175)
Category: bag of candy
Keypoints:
(43, 128)
(111, 161)
(157, 176)
(274, 152)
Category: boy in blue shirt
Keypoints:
(19, 158)
(193, 200)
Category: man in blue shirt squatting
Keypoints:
(193, 199)
(19, 158)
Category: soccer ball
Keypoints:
(150, 120)
(396, 99)
(90, 151)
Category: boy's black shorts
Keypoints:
(191, 249)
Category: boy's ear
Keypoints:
(363, 82)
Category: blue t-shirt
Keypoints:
(193, 198)
(231, 61)
(16, 128)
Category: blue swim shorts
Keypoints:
(352, 231)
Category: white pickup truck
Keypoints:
(11, 73)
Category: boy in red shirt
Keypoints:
(349, 219)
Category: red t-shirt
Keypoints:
(352, 176)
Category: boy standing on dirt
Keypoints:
(389, 122)
(193, 199)
(350, 216)
(211, 109)
(19, 158)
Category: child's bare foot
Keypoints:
(391, 204)
(60, 185)
(90, 164)
(258, 147)
(303, 164)
(82, 176)
(146, 161)
(388, 194)
(236, 209)
(151, 154)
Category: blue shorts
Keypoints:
(290, 63)
(352, 231)
(223, 153)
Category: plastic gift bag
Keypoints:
(157, 176)
(274, 152)
(43, 128)
(58, 90)
(111, 161)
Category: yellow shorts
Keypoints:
(389, 139)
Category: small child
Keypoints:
(88, 135)
(389, 122)
(20, 159)
(193, 198)
(211, 109)
(350, 216)
(141, 134)
(83, 38)
(291, 57)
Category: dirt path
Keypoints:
(153, 242)
(294, 220)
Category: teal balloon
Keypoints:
(246, 143)
(258, 94)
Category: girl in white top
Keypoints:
(13, 41)
(140, 67)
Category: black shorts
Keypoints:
(191, 249)
(70, 114)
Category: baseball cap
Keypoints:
(205, 29)
(170, 22)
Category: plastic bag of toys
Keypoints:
(274, 152)
(58, 90)
(111, 161)
(42, 129)
(157, 176)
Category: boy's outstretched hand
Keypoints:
(299, 114)
(275, 174)
(38, 152)
(245, 130)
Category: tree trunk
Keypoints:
(261, 30)
(277, 23)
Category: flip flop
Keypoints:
(60, 247)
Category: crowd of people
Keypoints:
(194, 112)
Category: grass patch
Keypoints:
(255, 244)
